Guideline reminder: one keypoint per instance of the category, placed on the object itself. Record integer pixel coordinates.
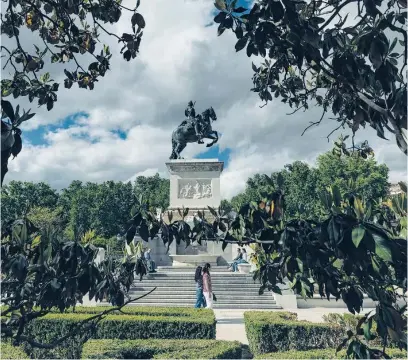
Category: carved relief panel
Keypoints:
(194, 189)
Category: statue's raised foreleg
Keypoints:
(214, 137)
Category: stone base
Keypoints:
(189, 217)
(194, 260)
(244, 268)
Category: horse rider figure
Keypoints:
(195, 120)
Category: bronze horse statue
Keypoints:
(185, 133)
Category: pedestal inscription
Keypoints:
(194, 189)
(195, 184)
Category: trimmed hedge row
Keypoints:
(199, 325)
(139, 310)
(143, 310)
(161, 349)
(323, 354)
(281, 331)
(9, 351)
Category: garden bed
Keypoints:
(136, 323)
(281, 331)
(161, 349)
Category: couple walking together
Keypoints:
(204, 294)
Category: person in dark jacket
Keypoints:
(198, 277)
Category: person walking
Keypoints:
(198, 277)
(207, 286)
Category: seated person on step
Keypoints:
(151, 265)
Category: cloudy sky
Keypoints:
(123, 128)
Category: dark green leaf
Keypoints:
(8, 109)
(357, 235)
(240, 9)
(137, 19)
(277, 10)
(220, 17)
(382, 246)
(241, 43)
(17, 146)
(367, 327)
(220, 4)
(212, 211)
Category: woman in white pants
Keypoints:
(207, 287)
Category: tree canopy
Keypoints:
(302, 183)
(104, 208)
(69, 33)
(346, 56)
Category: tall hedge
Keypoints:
(53, 326)
(161, 349)
(281, 331)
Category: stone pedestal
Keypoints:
(195, 184)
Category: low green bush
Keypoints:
(281, 331)
(54, 326)
(140, 310)
(143, 310)
(161, 349)
(8, 351)
(323, 354)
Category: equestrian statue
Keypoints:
(194, 129)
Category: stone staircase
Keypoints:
(176, 287)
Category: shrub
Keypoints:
(161, 349)
(9, 351)
(150, 311)
(281, 331)
(350, 321)
(141, 310)
(323, 354)
(54, 326)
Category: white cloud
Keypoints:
(180, 59)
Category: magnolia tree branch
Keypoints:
(399, 136)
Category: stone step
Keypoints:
(189, 282)
(167, 289)
(188, 269)
(216, 305)
(192, 297)
(177, 275)
(182, 297)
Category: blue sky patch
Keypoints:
(36, 137)
(215, 153)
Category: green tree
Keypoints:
(18, 197)
(154, 190)
(45, 218)
(302, 183)
(316, 54)
(353, 174)
(301, 196)
(113, 202)
(69, 34)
